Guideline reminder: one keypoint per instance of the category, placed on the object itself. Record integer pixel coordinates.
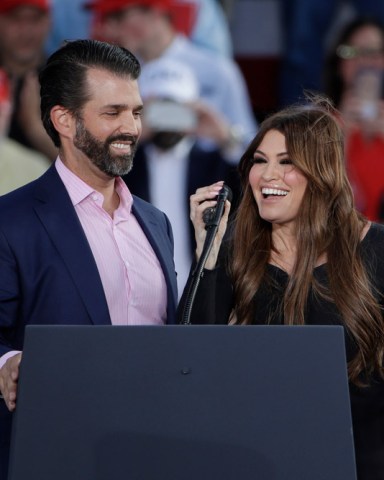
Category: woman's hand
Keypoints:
(204, 198)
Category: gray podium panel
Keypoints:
(183, 402)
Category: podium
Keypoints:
(183, 402)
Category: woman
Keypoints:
(353, 79)
(298, 252)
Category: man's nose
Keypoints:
(131, 124)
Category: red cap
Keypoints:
(109, 6)
(182, 12)
(7, 5)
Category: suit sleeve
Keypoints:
(9, 294)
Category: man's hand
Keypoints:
(28, 112)
(9, 375)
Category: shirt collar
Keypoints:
(78, 190)
(125, 206)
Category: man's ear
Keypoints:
(62, 120)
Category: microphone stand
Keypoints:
(212, 217)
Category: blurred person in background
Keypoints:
(149, 29)
(305, 26)
(353, 79)
(24, 26)
(18, 164)
(209, 26)
(170, 163)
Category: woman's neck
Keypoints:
(284, 253)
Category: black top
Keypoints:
(214, 302)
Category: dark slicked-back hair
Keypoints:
(63, 79)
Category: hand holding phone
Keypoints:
(169, 116)
(368, 87)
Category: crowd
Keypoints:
(120, 120)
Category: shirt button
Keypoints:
(94, 197)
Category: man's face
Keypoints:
(101, 152)
(23, 32)
(110, 123)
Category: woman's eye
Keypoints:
(286, 161)
(258, 160)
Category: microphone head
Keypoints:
(226, 193)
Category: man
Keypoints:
(75, 247)
(24, 28)
(148, 28)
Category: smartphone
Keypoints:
(368, 87)
(4, 87)
(169, 116)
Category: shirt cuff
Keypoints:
(8, 355)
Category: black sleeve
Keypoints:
(372, 254)
(213, 300)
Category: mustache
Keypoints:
(122, 138)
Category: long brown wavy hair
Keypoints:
(328, 223)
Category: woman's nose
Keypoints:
(271, 171)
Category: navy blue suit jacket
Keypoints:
(47, 271)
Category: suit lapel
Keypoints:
(160, 245)
(55, 211)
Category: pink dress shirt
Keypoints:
(129, 269)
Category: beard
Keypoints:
(99, 153)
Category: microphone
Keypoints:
(212, 215)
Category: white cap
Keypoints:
(169, 79)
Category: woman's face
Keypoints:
(367, 52)
(277, 185)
